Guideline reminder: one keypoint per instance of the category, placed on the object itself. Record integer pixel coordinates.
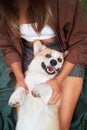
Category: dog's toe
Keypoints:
(17, 98)
(35, 94)
(14, 103)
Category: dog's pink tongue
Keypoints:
(51, 69)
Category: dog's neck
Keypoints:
(34, 78)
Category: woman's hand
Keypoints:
(56, 86)
(19, 76)
(56, 83)
(20, 83)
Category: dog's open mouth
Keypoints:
(50, 69)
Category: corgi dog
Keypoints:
(35, 112)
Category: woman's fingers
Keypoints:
(56, 90)
(54, 99)
(55, 96)
(22, 84)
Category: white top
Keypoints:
(29, 34)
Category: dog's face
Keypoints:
(46, 60)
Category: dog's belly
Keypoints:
(36, 115)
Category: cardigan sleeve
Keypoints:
(9, 52)
(77, 37)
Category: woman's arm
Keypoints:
(16, 68)
(12, 57)
(9, 45)
(76, 40)
(76, 36)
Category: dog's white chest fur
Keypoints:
(35, 111)
(32, 79)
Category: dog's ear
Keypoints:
(65, 53)
(38, 47)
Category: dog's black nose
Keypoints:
(53, 62)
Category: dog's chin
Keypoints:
(50, 69)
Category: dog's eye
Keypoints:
(48, 55)
(59, 59)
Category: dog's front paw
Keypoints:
(42, 91)
(17, 98)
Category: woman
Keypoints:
(59, 24)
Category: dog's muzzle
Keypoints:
(50, 69)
